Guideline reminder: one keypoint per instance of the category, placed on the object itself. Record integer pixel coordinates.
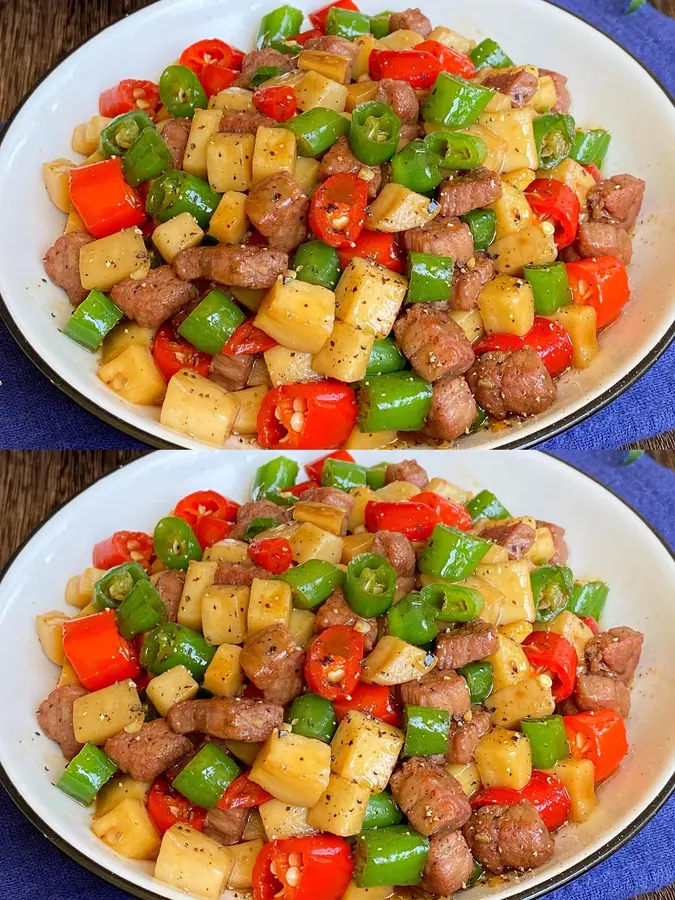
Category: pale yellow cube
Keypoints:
(533, 246)
(205, 124)
(512, 211)
(293, 768)
(228, 550)
(330, 65)
(515, 127)
(396, 491)
(307, 173)
(346, 353)
(302, 626)
(569, 626)
(229, 224)
(244, 856)
(317, 90)
(68, 675)
(109, 260)
(275, 151)
(224, 608)
(249, 401)
(229, 162)
(199, 408)
(312, 542)
(178, 234)
(516, 631)
(369, 296)
(383, 892)
(56, 178)
(224, 676)
(289, 366)
(101, 714)
(234, 99)
(119, 788)
(571, 173)
(282, 820)
(270, 603)
(370, 440)
(578, 776)
(341, 808)
(397, 208)
(510, 665)
(581, 323)
(128, 830)
(323, 515)
(467, 775)
(394, 661)
(198, 580)
(192, 862)
(506, 306)
(297, 314)
(355, 545)
(86, 137)
(357, 517)
(170, 688)
(504, 759)
(49, 628)
(365, 43)
(512, 579)
(530, 698)
(470, 321)
(134, 376)
(365, 750)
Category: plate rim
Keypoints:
(553, 883)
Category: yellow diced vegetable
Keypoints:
(531, 697)
(270, 603)
(341, 808)
(297, 314)
(307, 173)
(229, 223)
(50, 634)
(233, 99)
(312, 542)
(578, 776)
(450, 491)
(199, 578)
(102, 714)
(355, 545)
(373, 893)
(106, 262)
(396, 491)
(365, 750)
(192, 862)
(80, 588)
(199, 408)
(74, 223)
(370, 440)
(302, 626)
(275, 151)
(393, 661)
(228, 550)
(345, 354)
(68, 675)
(323, 515)
(369, 296)
(244, 856)
(504, 759)
(513, 580)
(56, 178)
(498, 102)
(397, 208)
(224, 608)
(516, 631)
(543, 548)
(289, 366)
(451, 39)
(248, 403)
(519, 178)
(569, 626)
(317, 90)
(205, 124)
(293, 768)
(357, 517)
(507, 305)
(171, 687)
(533, 246)
(128, 830)
(581, 323)
(366, 43)
(360, 92)
(403, 39)
(546, 96)
(125, 335)
(224, 676)
(134, 376)
(470, 321)
(515, 127)
(509, 663)
(86, 137)
(282, 820)
(247, 753)
(512, 211)
(229, 162)
(468, 776)
(178, 234)
(573, 174)
(495, 555)
(119, 788)
(331, 65)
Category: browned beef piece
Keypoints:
(449, 864)
(62, 264)
(238, 573)
(55, 717)
(273, 661)
(465, 733)
(170, 584)
(601, 692)
(461, 194)
(509, 837)
(453, 409)
(433, 342)
(256, 509)
(409, 131)
(519, 87)
(401, 97)
(515, 382)
(405, 584)
(604, 239)
(232, 264)
(336, 611)
(176, 133)
(466, 644)
(231, 372)
(331, 43)
(329, 495)
(245, 122)
(468, 281)
(617, 200)
(438, 690)
(396, 548)
(562, 104)
(239, 719)
(407, 470)
(412, 19)
(516, 538)
(616, 651)
(257, 58)
(431, 799)
(443, 237)
(340, 160)
(147, 753)
(278, 209)
(226, 825)
(155, 299)
(559, 558)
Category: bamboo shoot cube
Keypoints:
(366, 43)
(397, 491)
(307, 173)
(504, 759)
(275, 151)
(224, 676)
(470, 321)
(86, 137)
(244, 856)
(126, 334)
(357, 517)
(109, 260)
(345, 354)
(543, 548)
(354, 545)
(520, 179)
(312, 542)
(546, 96)
(451, 39)
(289, 366)
(394, 661)
(512, 211)
(297, 314)
(248, 402)
(68, 675)
(323, 515)
(247, 753)
(402, 39)
(199, 408)
(507, 305)
(229, 223)
(102, 714)
(571, 627)
(397, 208)
(581, 323)
(383, 892)
(498, 102)
(370, 440)
(515, 127)
(282, 820)
(360, 92)
(134, 376)
(317, 90)
(533, 246)
(330, 65)
(170, 688)
(50, 634)
(513, 580)
(510, 665)
(119, 788)
(369, 296)
(228, 550)
(531, 697)
(341, 808)
(468, 776)
(234, 99)
(224, 608)
(573, 174)
(270, 603)
(578, 776)
(302, 626)
(516, 631)
(205, 124)
(56, 178)
(178, 234)
(192, 862)
(449, 490)
(293, 768)
(365, 750)
(229, 162)
(128, 830)
(74, 223)
(199, 578)
(251, 298)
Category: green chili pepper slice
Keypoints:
(181, 91)
(207, 776)
(374, 132)
(455, 603)
(211, 324)
(169, 645)
(86, 773)
(413, 620)
(452, 554)
(455, 102)
(121, 134)
(316, 130)
(486, 506)
(550, 286)
(312, 582)
(489, 53)
(347, 23)
(429, 277)
(386, 856)
(376, 476)
(457, 151)
(480, 678)
(140, 611)
(340, 473)
(483, 227)
(397, 401)
(275, 476)
(553, 136)
(317, 263)
(548, 740)
(147, 158)
(370, 585)
(477, 874)
(93, 319)
(426, 731)
(385, 358)
(551, 589)
(590, 147)
(417, 167)
(313, 716)
(382, 811)
(116, 585)
(258, 525)
(263, 74)
(279, 25)
(176, 543)
(176, 192)
(588, 599)
(380, 25)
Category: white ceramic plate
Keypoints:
(608, 88)
(618, 547)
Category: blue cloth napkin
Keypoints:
(32, 867)
(35, 415)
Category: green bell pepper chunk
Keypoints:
(263, 74)
(590, 147)
(480, 678)
(477, 874)
(93, 319)
(457, 151)
(141, 610)
(341, 474)
(275, 476)
(376, 476)
(550, 286)
(482, 225)
(382, 811)
(551, 589)
(481, 419)
(455, 102)
(454, 602)
(121, 134)
(413, 620)
(347, 23)
(207, 776)
(86, 773)
(181, 91)
(426, 731)
(386, 856)
(429, 277)
(176, 543)
(116, 585)
(486, 506)
(312, 582)
(417, 168)
(176, 192)
(147, 158)
(258, 525)
(313, 716)
(279, 25)
(553, 136)
(588, 599)
(548, 740)
(398, 401)
(380, 25)
(169, 645)
(211, 324)
(489, 53)
(452, 554)
(317, 130)
(370, 585)
(317, 263)
(374, 132)
(385, 358)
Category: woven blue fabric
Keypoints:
(34, 414)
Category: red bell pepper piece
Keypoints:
(209, 530)
(337, 212)
(278, 102)
(122, 547)
(298, 489)
(207, 51)
(451, 61)
(376, 245)
(592, 624)
(315, 468)
(375, 699)
(419, 68)
(319, 16)
(166, 807)
(333, 662)
(205, 503)
(243, 794)
(172, 353)
(105, 202)
(553, 655)
(546, 792)
(273, 554)
(555, 201)
(248, 339)
(598, 735)
(127, 95)
(216, 77)
(600, 282)
(415, 520)
(550, 341)
(448, 513)
(306, 868)
(326, 419)
(305, 36)
(97, 651)
(593, 170)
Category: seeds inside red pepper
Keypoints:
(333, 662)
(337, 212)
